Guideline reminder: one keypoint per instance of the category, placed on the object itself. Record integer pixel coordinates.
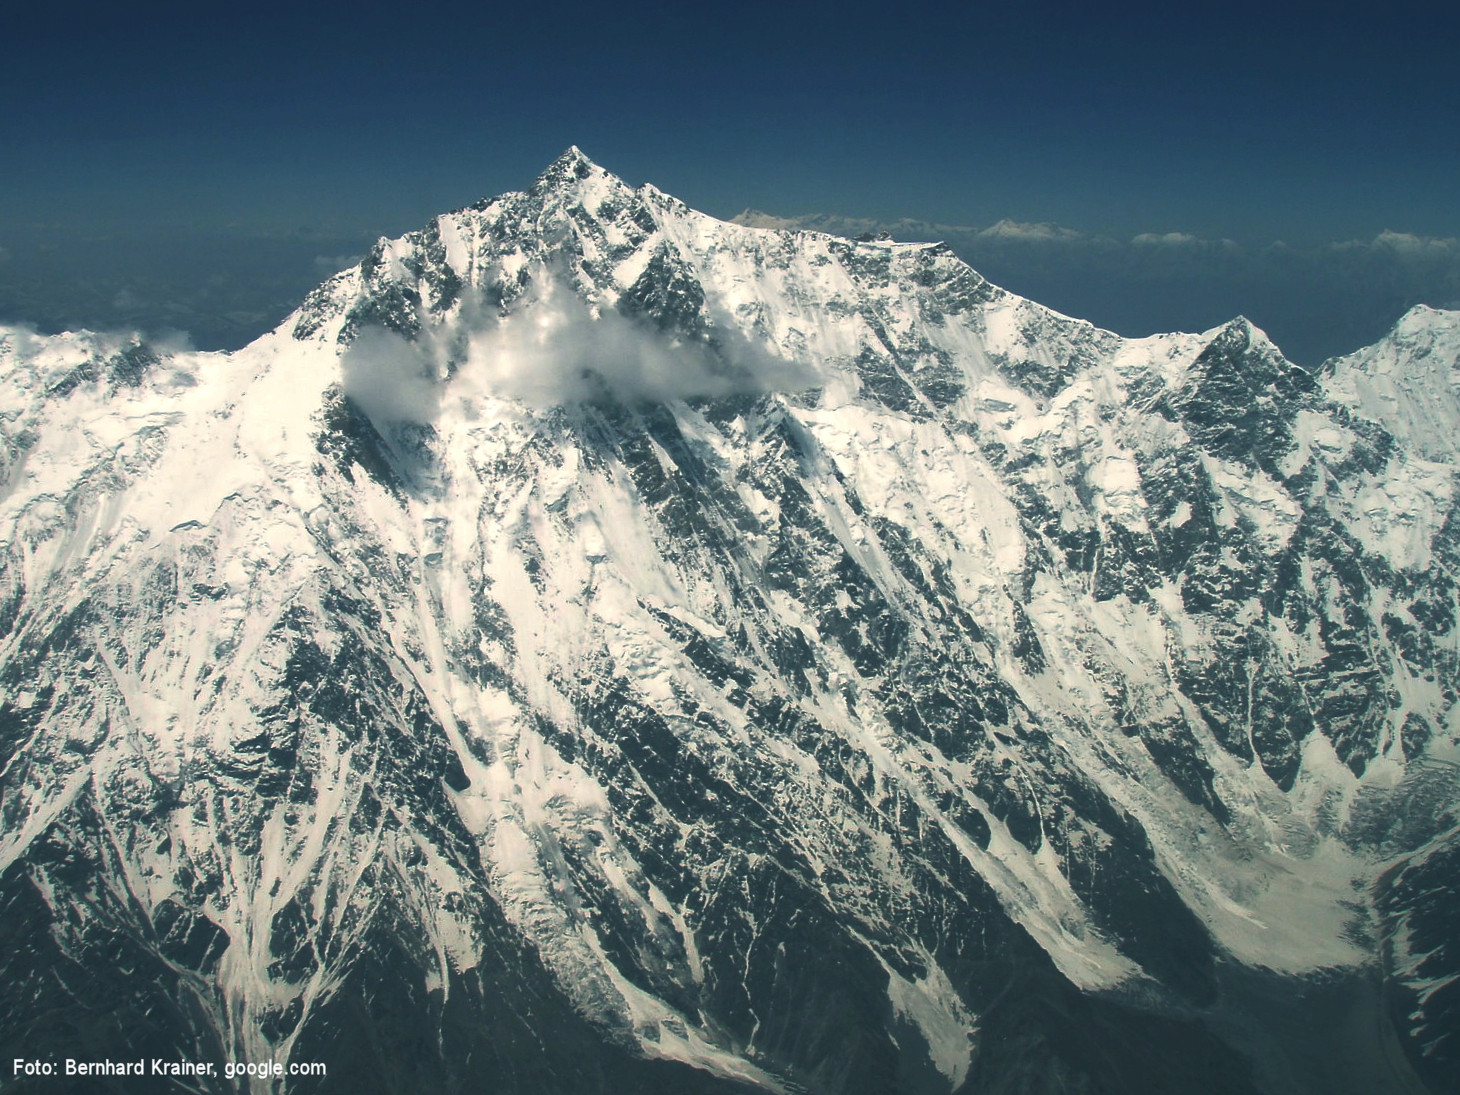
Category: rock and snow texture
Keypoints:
(1408, 382)
(593, 647)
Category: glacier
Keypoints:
(593, 647)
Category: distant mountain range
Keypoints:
(592, 647)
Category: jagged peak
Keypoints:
(1242, 331)
(569, 170)
(1238, 329)
(572, 156)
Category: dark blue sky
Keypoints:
(276, 133)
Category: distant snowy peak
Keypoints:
(1408, 381)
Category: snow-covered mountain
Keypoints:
(591, 647)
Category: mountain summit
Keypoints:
(590, 647)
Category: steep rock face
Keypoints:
(589, 646)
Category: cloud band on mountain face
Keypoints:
(554, 348)
(392, 379)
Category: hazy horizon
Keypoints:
(225, 287)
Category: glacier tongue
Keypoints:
(611, 648)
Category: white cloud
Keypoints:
(392, 379)
(1164, 239)
(554, 348)
(558, 349)
(1407, 243)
